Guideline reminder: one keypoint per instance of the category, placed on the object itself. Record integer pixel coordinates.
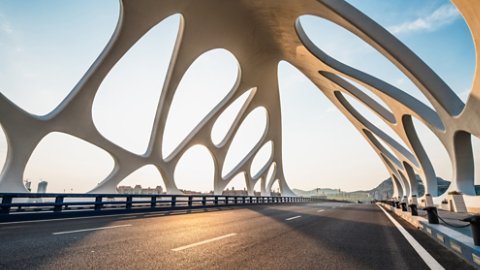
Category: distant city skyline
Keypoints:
(45, 48)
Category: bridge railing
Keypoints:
(18, 203)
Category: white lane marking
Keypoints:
(295, 217)
(426, 257)
(204, 242)
(92, 229)
(88, 217)
(321, 210)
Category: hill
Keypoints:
(382, 191)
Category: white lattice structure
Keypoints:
(260, 33)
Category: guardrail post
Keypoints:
(250, 199)
(413, 209)
(475, 226)
(216, 200)
(58, 204)
(174, 201)
(432, 215)
(204, 200)
(226, 200)
(235, 200)
(243, 200)
(6, 201)
(190, 201)
(128, 202)
(153, 202)
(98, 203)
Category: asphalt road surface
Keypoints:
(307, 236)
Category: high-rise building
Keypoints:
(138, 189)
(42, 187)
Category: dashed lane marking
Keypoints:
(204, 242)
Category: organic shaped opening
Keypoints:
(384, 148)
(436, 152)
(246, 139)
(384, 108)
(275, 190)
(225, 121)
(145, 180)
(476, 158)
(272, 171)
(195, 170)
(126, 102)
(257, 189)
(349, 49)
(68, 164)
(205, 84)
(397, 185)
(421, 188)
(261, 158)
(374, 119)
(330, 135)
(47, 47)
(423, 27)
(237, 185)
(3, 148)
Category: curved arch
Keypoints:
(386, 138)
(346, 16)
(258, 51)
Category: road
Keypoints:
(307, 236)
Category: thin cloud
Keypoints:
(444, 15)
(5, 26)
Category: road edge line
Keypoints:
(426, 257)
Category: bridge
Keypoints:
(286, 231)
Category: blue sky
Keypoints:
(46, 46)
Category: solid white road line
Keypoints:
(321, 210)
(92, 229)
(204, 242)
(426, 257)
(295, 217)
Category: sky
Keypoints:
(46, 47)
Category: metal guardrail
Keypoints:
(18, 203)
